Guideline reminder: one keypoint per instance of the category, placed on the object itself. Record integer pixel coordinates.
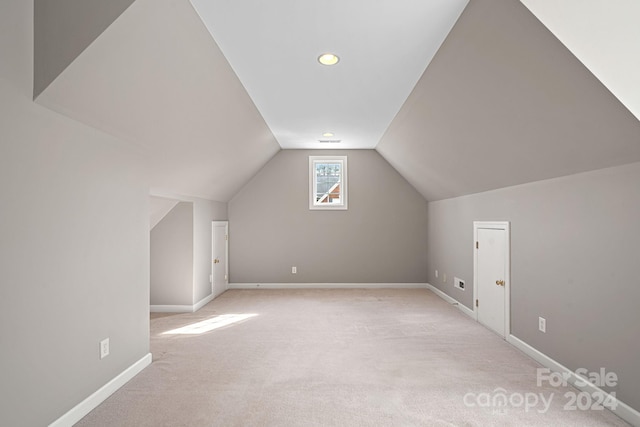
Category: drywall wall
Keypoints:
(172, 257)
(181, 250)
(63, 29)
(574, 261)
(381, 237)
(74, 246)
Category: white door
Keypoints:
(220, 258)
(491, 281)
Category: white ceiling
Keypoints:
(384, 47)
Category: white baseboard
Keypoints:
(463, 308)
(326, 285)
(622, 410)
(76, 413)
(171, 308)
(181, 308)
(204, 301)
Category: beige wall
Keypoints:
(574, 261)
(74, 246)
(380, 238)
(181, 252)
(172, 257)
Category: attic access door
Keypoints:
(491, 279)
(220, 256)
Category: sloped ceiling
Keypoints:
(604, 35)
(159, 207)
(503, 102)
(63, 29)
(156, 79)
(384, 47)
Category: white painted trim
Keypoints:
(226, 255)
(463, 308)
(76, 413)
(181, 308)
(327, 285)
(497, 225)
(622, 410)
(204, 301)
(171, 309)
(344, 185)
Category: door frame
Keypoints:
(226, 255)
(495, 225)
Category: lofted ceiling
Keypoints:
(156, 79)
(505, 103)
(604, 35)
(458, 97)
(383, 46)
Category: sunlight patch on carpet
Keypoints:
(210, 324)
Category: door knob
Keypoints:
(500, 282)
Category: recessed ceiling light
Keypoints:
(328, 134)
(328, 59)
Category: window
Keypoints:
(328, 182)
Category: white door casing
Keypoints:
(220, 256)
(491, 282)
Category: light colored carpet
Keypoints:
(333, 357)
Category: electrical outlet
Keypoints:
(542, 324)
(444, 278)
(294, 270)
(104, 348)
(458, 283)
(436, 274)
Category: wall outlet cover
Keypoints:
(104, 348)
(542, 324)
(458, 283)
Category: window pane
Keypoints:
(328, 178)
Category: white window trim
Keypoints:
(313, 205)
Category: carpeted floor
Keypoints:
(335, 357)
